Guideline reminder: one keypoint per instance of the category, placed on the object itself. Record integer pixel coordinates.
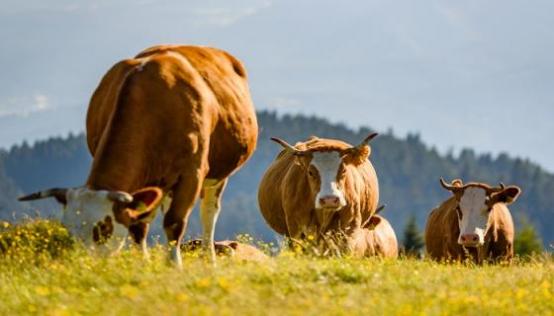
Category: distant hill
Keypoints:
(408, 173)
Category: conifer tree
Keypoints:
(413, 241)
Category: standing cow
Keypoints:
(174, 119)
(474, 223)
(320, 186)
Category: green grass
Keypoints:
(42, 272)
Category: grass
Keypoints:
(43, 272)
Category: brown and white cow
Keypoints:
(375, 238)
(319, 186)
(475, 223)
(174, 119)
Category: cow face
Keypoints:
(475, 202)
(88, 215)
(100, 216)
(326, 171)
(326, 175)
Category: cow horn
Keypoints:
(380, 209)
(287, 146)
(366, 141)
(500, 187)
(449, 187)
(120, 196)
(58, 193)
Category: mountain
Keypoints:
(408, 173)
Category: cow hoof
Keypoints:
(175, 258)
(146, 256)
(209, 255)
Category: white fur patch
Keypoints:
(475, 214)
(84, 209)
(327, 164)
(209, 211)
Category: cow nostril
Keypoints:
(469, 238)
(329, 200)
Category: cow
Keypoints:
(473, 224)
(319, 186)
(174, 120)
(376, 237)
(230, 248)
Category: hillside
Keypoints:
(408, 174)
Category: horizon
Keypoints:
(460, 75)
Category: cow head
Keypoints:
(95, 216)
(474, 204)
(326, 171)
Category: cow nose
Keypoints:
(329, 201)
(469, 239)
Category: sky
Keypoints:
(465, 73)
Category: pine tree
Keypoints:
(413, 241)
(527, 241)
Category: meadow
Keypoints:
(43, 271)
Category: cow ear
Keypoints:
(142, 208)
(509, 195)
(357, 155)
(373, 222)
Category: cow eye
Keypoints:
(311, 172)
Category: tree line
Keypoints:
(408, 172)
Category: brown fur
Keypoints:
(231, 248)
(442, 230)
(287, 203)
(171, 117)
(376, 239)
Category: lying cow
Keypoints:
(375, 238)
(230, 248)
(319, 186)
(174, 119)
(474, 223)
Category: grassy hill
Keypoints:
(408, 173)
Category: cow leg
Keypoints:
(212, 190)
(139, 232)
(185, 194)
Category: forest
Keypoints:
(408, 171)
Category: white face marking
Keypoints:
(327, 164)
(84, 209)
(475, 214)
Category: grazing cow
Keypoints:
(474, 223)
(174, 119)
(319, 186)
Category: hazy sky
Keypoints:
(462, 73)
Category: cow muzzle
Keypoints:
(329, 202)
(470, 240)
